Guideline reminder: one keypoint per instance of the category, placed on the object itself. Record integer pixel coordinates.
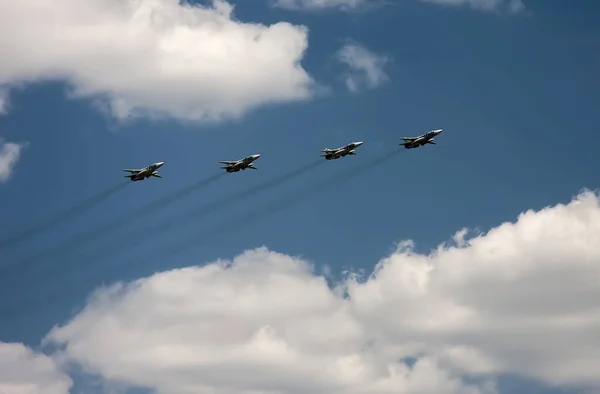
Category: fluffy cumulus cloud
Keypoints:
(261, 323)
(9, 155)
(154, 57)
(484, 5)
(23, 371)
(365, 69)
(521, 298)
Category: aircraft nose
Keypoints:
(359, 143)
(160, 163)
(439, 131)
(256, 156)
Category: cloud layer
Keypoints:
(365, 69)
(315, 5)
(484, 5)
(154, 57)
(9, 155)
(520, 299)
(3, 102)
(262, 322)
(22, 371)
(349, 5)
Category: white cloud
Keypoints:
(264, 323)
(154, 57)
(365, 68)
(522, 299)
(9, 155)
(349, 5)
(3, 101)
(22, 371)
(317, 5)
(484, 5)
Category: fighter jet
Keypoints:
(332, 154)
(415, 142)
(147, 172)
(235, 166)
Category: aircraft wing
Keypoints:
(409, 138)
(132, 171)
(157, 175)
(228, 162)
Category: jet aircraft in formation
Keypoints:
(333, 154)
(328, 154)
(235, 166)
(415, 142)
(147, 172)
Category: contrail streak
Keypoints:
(62, 216)
(211, 207)
(187, 216)
(236, 223)
(86, 237)
(271, 208)
(190, 215)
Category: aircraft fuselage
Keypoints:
(243, 164)
(427, 138)
(145, 173)
(140, 176)
(419, 142)
(333, 154)
(337, 155)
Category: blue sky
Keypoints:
(515, 93)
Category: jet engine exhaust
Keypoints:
(178, 220)
(271, 208)
(89, 236)
(63, 216)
